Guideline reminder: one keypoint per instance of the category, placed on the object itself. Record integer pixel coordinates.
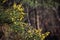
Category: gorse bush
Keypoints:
(19, 30)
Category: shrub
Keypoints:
(18, 29)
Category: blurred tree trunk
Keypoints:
(37, 16)
(37, 19)
(28, 18)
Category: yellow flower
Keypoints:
(21, 18)
(20, 5)
(47, 33)
(40, 30)
(14, 22)
(20, 9)
(29, 31)
(14, 6)
(42, 34)
(4, 1)
(43, 37)
(17, 19)
(37, 31)
(10, 13)
(23, 13)
(12, 19)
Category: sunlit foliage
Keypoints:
(21, 31)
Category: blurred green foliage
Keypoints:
(44, 3)
(15, 15)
